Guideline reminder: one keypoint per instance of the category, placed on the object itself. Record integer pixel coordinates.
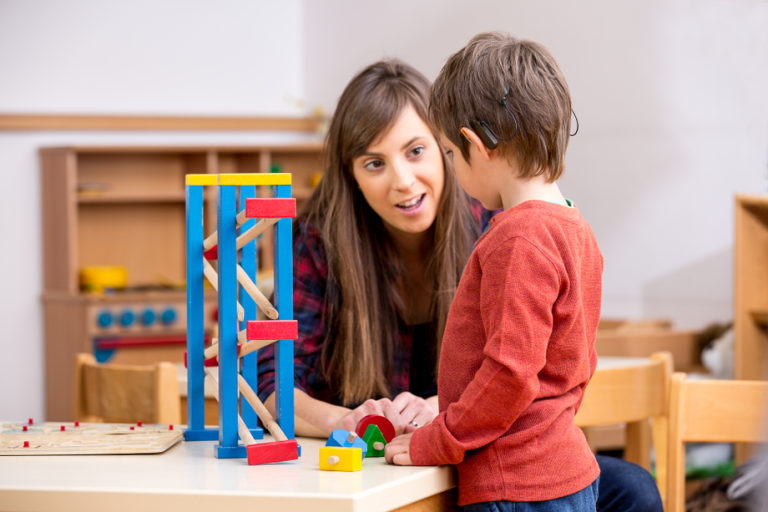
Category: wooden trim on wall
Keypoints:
(40, 122)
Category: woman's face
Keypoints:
(401, 175)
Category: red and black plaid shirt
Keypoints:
(310, 277)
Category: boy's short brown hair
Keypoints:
(470, 88)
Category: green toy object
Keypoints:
(375, 441)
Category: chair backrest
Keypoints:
(632, 395)
(711, 411)
(126, 393)
(627, 394)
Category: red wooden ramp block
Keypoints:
(279, 451)
(272, 330)
(208, 363)
(212, 254)
(270, 208)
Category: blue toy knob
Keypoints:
(148, 317)
(127, 318)
(104, 319)
(168, 316)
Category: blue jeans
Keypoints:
(581, 501)
(626, 487)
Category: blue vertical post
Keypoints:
(284, 305)
(248, 363)
(227, 260)
(195, 327)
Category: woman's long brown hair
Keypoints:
(363, 299)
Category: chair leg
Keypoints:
(676, 448)
(660, 434)
(638, 449)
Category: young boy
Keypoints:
(518, 348)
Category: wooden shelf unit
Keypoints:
(751, 287)
(125, 206)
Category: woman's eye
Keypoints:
(417, 151)
(374, 165)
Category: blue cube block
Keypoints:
(341, 438)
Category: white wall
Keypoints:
(230, 57)
(670, 94)
(672, 101)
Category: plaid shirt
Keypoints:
(310, 276)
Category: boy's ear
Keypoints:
(472, 137)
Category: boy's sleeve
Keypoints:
(519, 287)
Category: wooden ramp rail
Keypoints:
(283, 449)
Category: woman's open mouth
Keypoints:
(412, 204)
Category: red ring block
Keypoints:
(270, 208)
(272, 330)
(385, 426)
(278, 451)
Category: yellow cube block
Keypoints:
(333, 458)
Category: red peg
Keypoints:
(30, 421)
(170, 427)
(138, 423)
(26, 444)
(63, 428)
(24, 428)
(132, 428)
(77, 423)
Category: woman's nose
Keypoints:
(402, 177)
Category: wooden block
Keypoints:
(273, 330)
(334, 458)
(279, 178)
(385, 426)
(375, 441)
(278, 451)
(208, 363)
(345, 439)
(270, 208)
(201, 179)
(212, 254)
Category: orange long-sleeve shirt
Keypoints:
(517, 353)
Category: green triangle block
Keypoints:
(373, 435)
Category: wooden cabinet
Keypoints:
(125, 206)
(751, 288)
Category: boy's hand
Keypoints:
(398, 451)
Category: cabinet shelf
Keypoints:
(129, 212)
(129, 197)
(751, 292)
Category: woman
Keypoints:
(378, 255)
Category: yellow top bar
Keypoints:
(201, 179)
(255, 179)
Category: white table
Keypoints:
(188, 478)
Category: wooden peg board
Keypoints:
(86, 439)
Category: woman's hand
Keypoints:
(415, 412)
(406, 412)
(382, 407)
(398, 451)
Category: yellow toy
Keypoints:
(334, 458)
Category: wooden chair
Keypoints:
(125, 393)
(711, 411)
(633, 395)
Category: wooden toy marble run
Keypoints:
(230, 363)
